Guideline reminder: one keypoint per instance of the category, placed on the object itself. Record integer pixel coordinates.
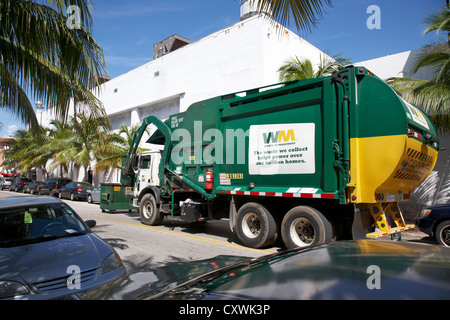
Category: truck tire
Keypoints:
(149, 211)
(255, 227)
(305, 226)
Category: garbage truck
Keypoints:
(306, 162)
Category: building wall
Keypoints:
(243, 56)
(398, 65)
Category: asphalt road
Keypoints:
(142, 246)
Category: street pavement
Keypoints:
(142, 246)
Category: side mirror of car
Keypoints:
(91, 223)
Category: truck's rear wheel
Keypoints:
(255, 227)
(305, 226)
(149, 211)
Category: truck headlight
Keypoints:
(111, 263)
(9, 289)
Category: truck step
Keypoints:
(379, 212)
(378, 234)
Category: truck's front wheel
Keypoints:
(149, 211)
(305, 226)
(255, 228)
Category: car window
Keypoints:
(31, 224)
(83, 184)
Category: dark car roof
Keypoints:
(345, 270)
(342, 270)
(16, 202)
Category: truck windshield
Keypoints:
(31, 224)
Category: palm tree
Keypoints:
(42, 55)
(116, 145)
(26, 151)
(299, 69)
(89, 135)
(61, 134)
(432, 96)
(305, 13)
(12, 158)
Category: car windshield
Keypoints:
(38, 223)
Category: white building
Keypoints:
(398, 65)
(243, 56)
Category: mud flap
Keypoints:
(362, 222)
(232, 217)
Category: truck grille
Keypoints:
(60, 283)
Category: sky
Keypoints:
(127, 30)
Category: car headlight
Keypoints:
(111, 263)
(9, 289)
(425, 213)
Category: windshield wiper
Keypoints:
(67, 235)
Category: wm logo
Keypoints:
(279, 136)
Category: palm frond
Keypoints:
(438, 21)
(46, 57)
(305, 13)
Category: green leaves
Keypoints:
(43, 57)
(432, 96)
(77, 142)
(305, 13)
(299, 69)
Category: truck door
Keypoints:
(143, 171)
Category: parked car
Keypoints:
(18, 184)
(33, 187)
(75, 190)
(94, 195)
(5, 183)
(347, 270)
(435, 221)
(49, 252)
(53, 185)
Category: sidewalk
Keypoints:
(414, 235)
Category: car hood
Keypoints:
(160, 277)
(48, 260)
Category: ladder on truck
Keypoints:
(379, 213)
